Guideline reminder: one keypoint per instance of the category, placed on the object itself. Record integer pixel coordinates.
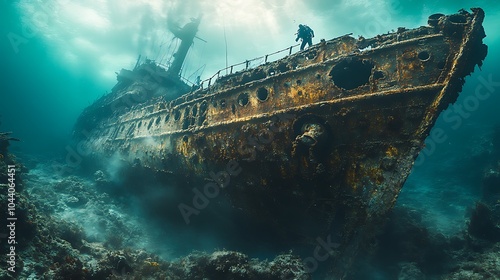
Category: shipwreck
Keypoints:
(322, 139)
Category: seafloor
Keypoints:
(74, 227)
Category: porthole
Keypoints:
(203, 112)
(195, 110)
(377, 75)
(177, 115)
(243, 99)
(185, 123)
(351, 73)
(424, 56)
(130, 131)
(311, 54)
(262, 94)
(203, 107)
(201, 119)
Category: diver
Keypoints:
(306, 34)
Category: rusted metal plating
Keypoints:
(327, 135)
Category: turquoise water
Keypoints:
(55, 65)
(58, 57)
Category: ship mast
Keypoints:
(187, 35)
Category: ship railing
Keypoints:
(245, 65)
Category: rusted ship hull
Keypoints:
(322, 140)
